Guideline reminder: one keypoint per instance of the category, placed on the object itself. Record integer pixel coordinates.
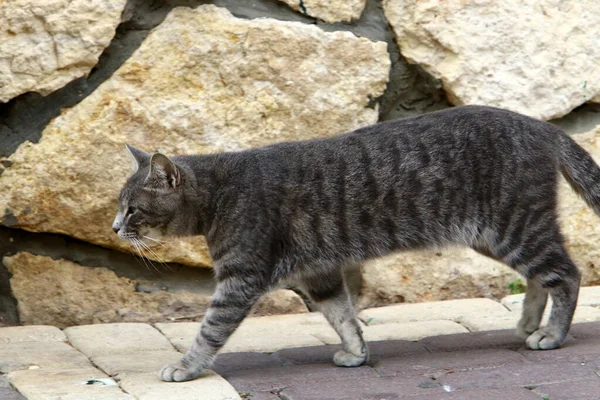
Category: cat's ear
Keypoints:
(139, 158)
(163, 171)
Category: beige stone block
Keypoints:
(260, 334)
(34, 355)
(451, 310)
(203, 81)
(119, 364)
(46, 44)
(329, 10)
(487, 53)
(209, 386)
(16, 334)
(108, 339)
(411, 330)
(66, 384)
(488, 322)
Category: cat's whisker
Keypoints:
(157, 258)
(160, 242)
(146, 260)
(139, 254)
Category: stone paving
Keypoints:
(455, 350)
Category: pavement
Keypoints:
(454, 350)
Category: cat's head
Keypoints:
(151, 201)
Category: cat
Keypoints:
(294, 213)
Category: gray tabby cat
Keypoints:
(292, 214)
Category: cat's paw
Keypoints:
(179, 373)
(345, 359)
(526, 327)
(543, 339)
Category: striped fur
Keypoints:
(294, 213)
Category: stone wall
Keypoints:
(78, 79)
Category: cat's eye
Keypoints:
(131, 210)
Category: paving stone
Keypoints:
(474, 340)
(209, 386)
(412, 330)
(518, 376)
(394, 348)
(34, 355)
(486, 322)
(66, 384)
(41, 333)
(229, 362)
(452, 310)
(436, 364)
(9, 394)
(180, 334)
(585, 330)
(276, 378)
(578, 350)
(488, 394)
(588, 296)
(260, 334)
(580, 390)
(108, 339)
(147, 361)
(388, 388)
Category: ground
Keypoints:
(455, 350)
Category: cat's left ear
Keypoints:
(164, 171)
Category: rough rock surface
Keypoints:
(63, 293)
(329, 11)
(203, 81)
(418, 276)
(46, 44)
(462, 273)
(541, 61)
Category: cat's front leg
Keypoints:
(233, 299)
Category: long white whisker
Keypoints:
(138, 244)
(156, 240)
(155, 255)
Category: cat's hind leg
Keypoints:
(533, 309)
(331, 297)
(548, 269)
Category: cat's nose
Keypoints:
(116, 228)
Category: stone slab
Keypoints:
(41, 333)
(35, 355)
(490, 394)
(108, 339)
(209, 386)
(9, 394)
(588, 296)
(388, 388)
(119, 364)
(580, 390)
(66, 384)
(474, 340)
(260, 334)
(452, 310)
(274, 379)
(412, 330)
(438, 364)
(518, 376)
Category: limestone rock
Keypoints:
(329, 11)
(462, 273)
(535, 57)
(63, 293)
(418, 276)
(46, 44)
(203, 81)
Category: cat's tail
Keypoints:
(580, 170)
